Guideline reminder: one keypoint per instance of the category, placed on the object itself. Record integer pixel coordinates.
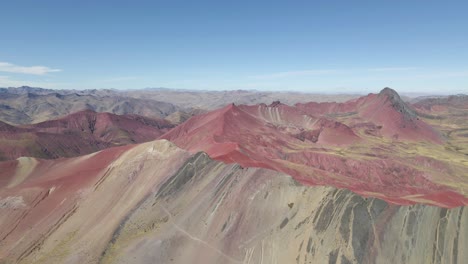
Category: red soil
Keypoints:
(396, 118)
(77, 134)
(59, 181)
(387, 110)
(293, 141)
(7, 171)
(334, 133)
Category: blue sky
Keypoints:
(314, 46)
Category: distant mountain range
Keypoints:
(25, 105)
(31, 105)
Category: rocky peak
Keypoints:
(397, 103)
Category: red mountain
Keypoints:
(362, 145)
(156, 203)
(394, 118)
(77, 134)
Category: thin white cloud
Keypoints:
(425, 76)
(6, 81)
(259, 84)
(293, 74)
(34, 70)
(462, 73)
(118, 79)
(387, 69)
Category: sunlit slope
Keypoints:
(375, 146)
(156, 203)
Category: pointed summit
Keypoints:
(389, 92)
(397, 103)
(398, 120)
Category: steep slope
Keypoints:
(324, 150)
(77, 134)
(156, 203)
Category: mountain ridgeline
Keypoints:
(371, 180)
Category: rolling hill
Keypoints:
(77, 134)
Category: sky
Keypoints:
(310, 46)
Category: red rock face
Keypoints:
(358, 145)
(77, 134)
